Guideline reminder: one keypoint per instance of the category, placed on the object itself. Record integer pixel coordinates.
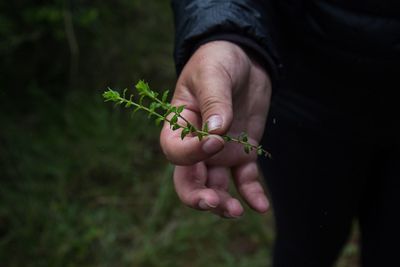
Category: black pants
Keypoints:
(331, 170)
(319, 185)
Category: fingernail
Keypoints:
(227, 215)
(212, 145)
(262, 204)
(203, 205)
(214, 122)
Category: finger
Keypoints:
(218, 179)
(212, 87)
(190, 186)
(246, 177)
(189, 150)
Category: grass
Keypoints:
(80, 187)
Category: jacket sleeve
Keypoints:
(243, 22)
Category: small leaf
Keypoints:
(205, 127)
(143, 88)
(244, 137)
(153, 106)
(165, 96)
(247, 149)
(227, 138)
(185, 132)
(124, 92)
(180, 109)
(159, 120)
(111, 95)
(175, 127)
(200, 136)
(192, 129)
(174, 119)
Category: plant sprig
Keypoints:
(158, 106)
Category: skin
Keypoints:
(221, 85)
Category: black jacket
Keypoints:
(327, 57)
(362, 33)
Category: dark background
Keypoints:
(82, 183)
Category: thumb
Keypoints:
(213, 90)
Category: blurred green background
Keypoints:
(81, 182)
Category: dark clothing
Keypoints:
(319, 183)
(358, 35)
(335, 67)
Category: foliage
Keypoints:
(176, 115)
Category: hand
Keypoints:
(220, 85)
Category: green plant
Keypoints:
(162, 110)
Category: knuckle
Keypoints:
(211, 102)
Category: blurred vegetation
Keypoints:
(82, 183)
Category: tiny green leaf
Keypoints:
(205, 127)
(159, 120)
(227, 138)
(243, 137)
(174, 119)
(165, 96)
(185, 132)
(180, 109)
(200, 136)
(153, 106)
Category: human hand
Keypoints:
(222, 86)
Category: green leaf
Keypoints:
(185, 132)
(205, 127)
(192, 129)
(243, 137)
(175, 127)
(153, 106)
(247, 149)
(165, 96)
(174, 119)
(200, 136)
(227, 138)
(180, 109)
(111, 95)
(159, 120)
(143, 88)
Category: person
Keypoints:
(325, 73)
